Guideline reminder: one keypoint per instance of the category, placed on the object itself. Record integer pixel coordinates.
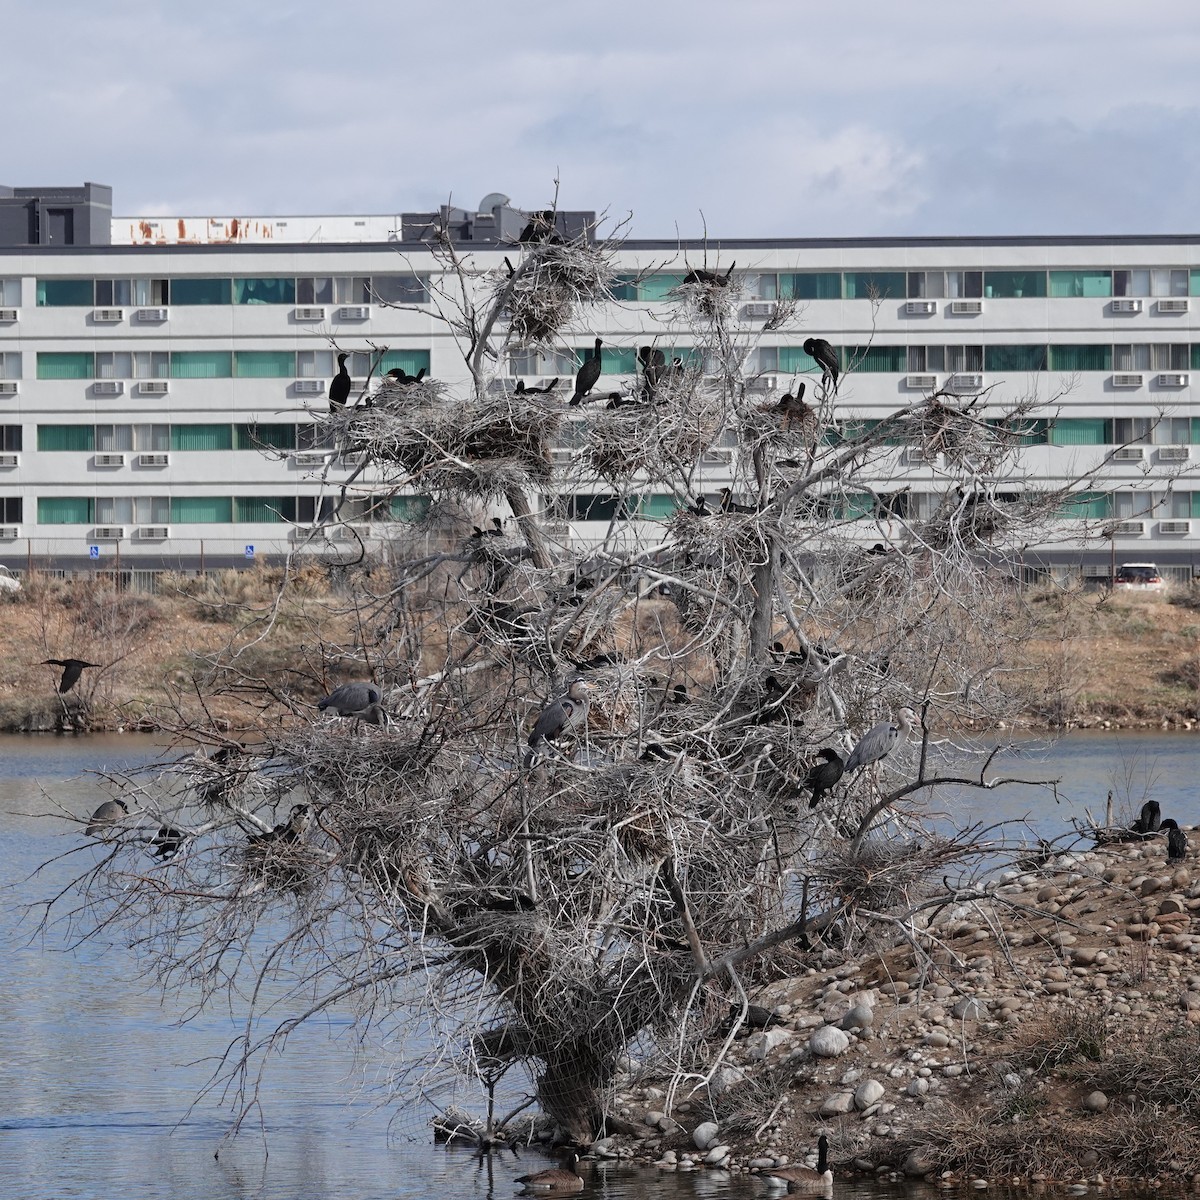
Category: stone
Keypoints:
(860, 1016)
(828, 1042)
(654, 1119)
(838, 1104)
(970, 1008)
(917, 1087)
(716, 1156)
(920, 1161)
(869, 1092)
(1095, 1102)
(761, 1044)
(705, 1134)
(936, 1038)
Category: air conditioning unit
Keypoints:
(154, 460)
(1174, 453)
(108, 387)
(152, 533)
(352, 533)
(354, 312)
(10, 460)
(110, 460)
(1127, 381)
(310, 458)
(1174, 527)
(8, 387)
(309, 387)
(921, 383)
(561, 530)
(1173, 379)
(1129, 454)
(718, 456)
(561, 457)
(11, 314)
(309, 314)
(1127, 306)
(1164, 306)
(1130, 527)
(760, 310)
(9, 533)
(108, 533)
(920, 308)
(151, 315)
(153, 387)
(918, 454)
(107, 316)
(761, 383)
(964, 383)
(966, 308)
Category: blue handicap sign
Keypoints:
(93, 552)
(249, 551)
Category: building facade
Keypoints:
(159, 390)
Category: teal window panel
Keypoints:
(657, 287)
(1002, 285)
(657, 508)
(264, 509)
(275, 436)
(1081, 358)
(624, 287)
(1195, 356)
(1087, 505)
(883, 285)
(1194, 283)
(201, 364)
(794, 361)
(201, 291)
(613, 360)
(66, 437)
(70, 364)
(201, 437)
(1081, 283)
(411, 362)
(1029, 432)
(408, 508)
(594, 507)
(1080, 431)
(201, 510)
(876, 359)
(1196, 504)
(65, 510)
(264, 364)
(1014, 358)
(65, 293)
(263, 291)
(811, 285)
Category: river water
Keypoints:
(98, 1075)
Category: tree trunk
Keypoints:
(530, 528)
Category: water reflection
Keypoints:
(97, 1074)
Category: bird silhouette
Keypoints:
(826, 357)
(712, 278)
(339, 386)
(73, 668)
(541, 228)
(823, 775)
(729, 505)
(398, 375)
(588, 376)
(286, 832)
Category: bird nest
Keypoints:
(956, 434)
(710, 298)
(553, 281)
(474, 448)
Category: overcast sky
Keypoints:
(769, 117)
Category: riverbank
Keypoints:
(1049, 1032)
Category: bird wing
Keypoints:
(551, 721)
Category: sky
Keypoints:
(754, 118)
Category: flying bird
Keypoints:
(589, 375)
(568, 712)
(73, 668)
(827, 358)
(339, 386)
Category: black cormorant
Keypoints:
(826, 356)
(339, 387)
(72, 669)
(589, 375)
(824, 775)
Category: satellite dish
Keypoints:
(493, 200)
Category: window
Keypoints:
(624, 287)
(264, 291)
(757, 286)
(794, 360)
(872, 285)
(812, 285)
(66, 437)
(1129, 429)
(201, 364)
(875, 359)
(315, 364)
(10, 293)
(200, 291)
(1007, 284)
(964, 360)
(1173, 431)
(1079, 431)
(65, 293)
(11, 509)
(308, 510)
(151, 510)
(114, 291)
(1166, 357)
(1023, 431)
(114, 364)
(658, 287)
(73, 364)
(1015, 358)
(259, 437)
(1157, 281)
(411, 362)
(351, 289)
(201, 510)
(594, 508)
(1168, 282)
(1195, 357)
(114, 510)
(549, 362)
(1131, 357)
(151, 438)
(1193, 285)
(401, 289)
(201, 437)
(264, 364)
(1087, 505)
(612, 361)
(1081, 358)
(10, 438)
(114, 439)
(10, 364)
(263, 509)
(151, 364)
(1081, 283)
(404, 508)
(308, 437)
(1132, 504)
(65, 510)
(656, 508)
(150, 292)
(950, 285)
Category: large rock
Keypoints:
(828, 1042)
(837, 1105)
(970, 1009)
(861, 1016)
(761, 1044)
(705, 1134)
(869, 1092)
(1095, 1102)
(920, 1161)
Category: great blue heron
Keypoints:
(587, 378)
(108, 814)
(360, 701)
(567, 712)
(339, 386)
(72, 669)
(805, 1179)
(879, 742)
(554, 1179)
(827, 359)
(823, 775)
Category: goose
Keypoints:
(554, 1179)
(805, 1179)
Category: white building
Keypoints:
(141, 379)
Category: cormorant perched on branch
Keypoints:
(72, 670)
(546, 389)
(289, 831)
(589, 375)
(823, 775)
(339, 387)
(400, 376)
(729, 505)
(541, 228)
(826, 356)
(699, 275)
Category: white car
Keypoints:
(1138, 577)
(8, 581)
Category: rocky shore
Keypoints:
(1047, 1031)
